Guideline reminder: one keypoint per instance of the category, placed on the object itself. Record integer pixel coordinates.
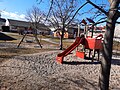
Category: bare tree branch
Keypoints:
(118, 14)
(56, 20)
(110, 1)
(53, 24)
(35, 15)
(118, 22)
(118, 8)
(102, 19)
(97, 7)
(60, 10)
(39, 1)
(76, 13)
(99, 22)
(49, 9)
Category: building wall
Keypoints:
(58, 36)
(1, 24)
(117, 31)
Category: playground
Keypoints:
(31, 68)
(34, 62)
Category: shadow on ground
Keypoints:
(115, 61)
(79, 63)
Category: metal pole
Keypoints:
(92, 31)
(86, 27)
(78, 30)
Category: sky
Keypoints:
(17, 9)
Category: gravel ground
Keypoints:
(41, 72)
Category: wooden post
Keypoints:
(22, 40)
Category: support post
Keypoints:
(78, 35)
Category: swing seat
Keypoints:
(29, 41)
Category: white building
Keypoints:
(117, 31)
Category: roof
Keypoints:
(42, 27)
(18, 23)
(2, 20)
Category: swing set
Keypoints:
(34, 34)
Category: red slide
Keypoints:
(60, 56)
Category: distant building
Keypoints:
(43, 29)
(73, 30)
(117, 30)
(17, 25)
(2, 23)
(70, 31)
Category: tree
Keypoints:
(112, 14)
(62, 14)
(35, 16)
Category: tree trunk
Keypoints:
(61, 39)
(107, 56)
(62, 36)
(107, 46)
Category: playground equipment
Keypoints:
(92, 44)
(35, 36)
(77, 42)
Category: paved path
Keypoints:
(49, 40)
(117, 39)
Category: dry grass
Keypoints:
(66, 43)
(57, 40)
(7, 53)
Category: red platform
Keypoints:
(80, 54)
(93, 43)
